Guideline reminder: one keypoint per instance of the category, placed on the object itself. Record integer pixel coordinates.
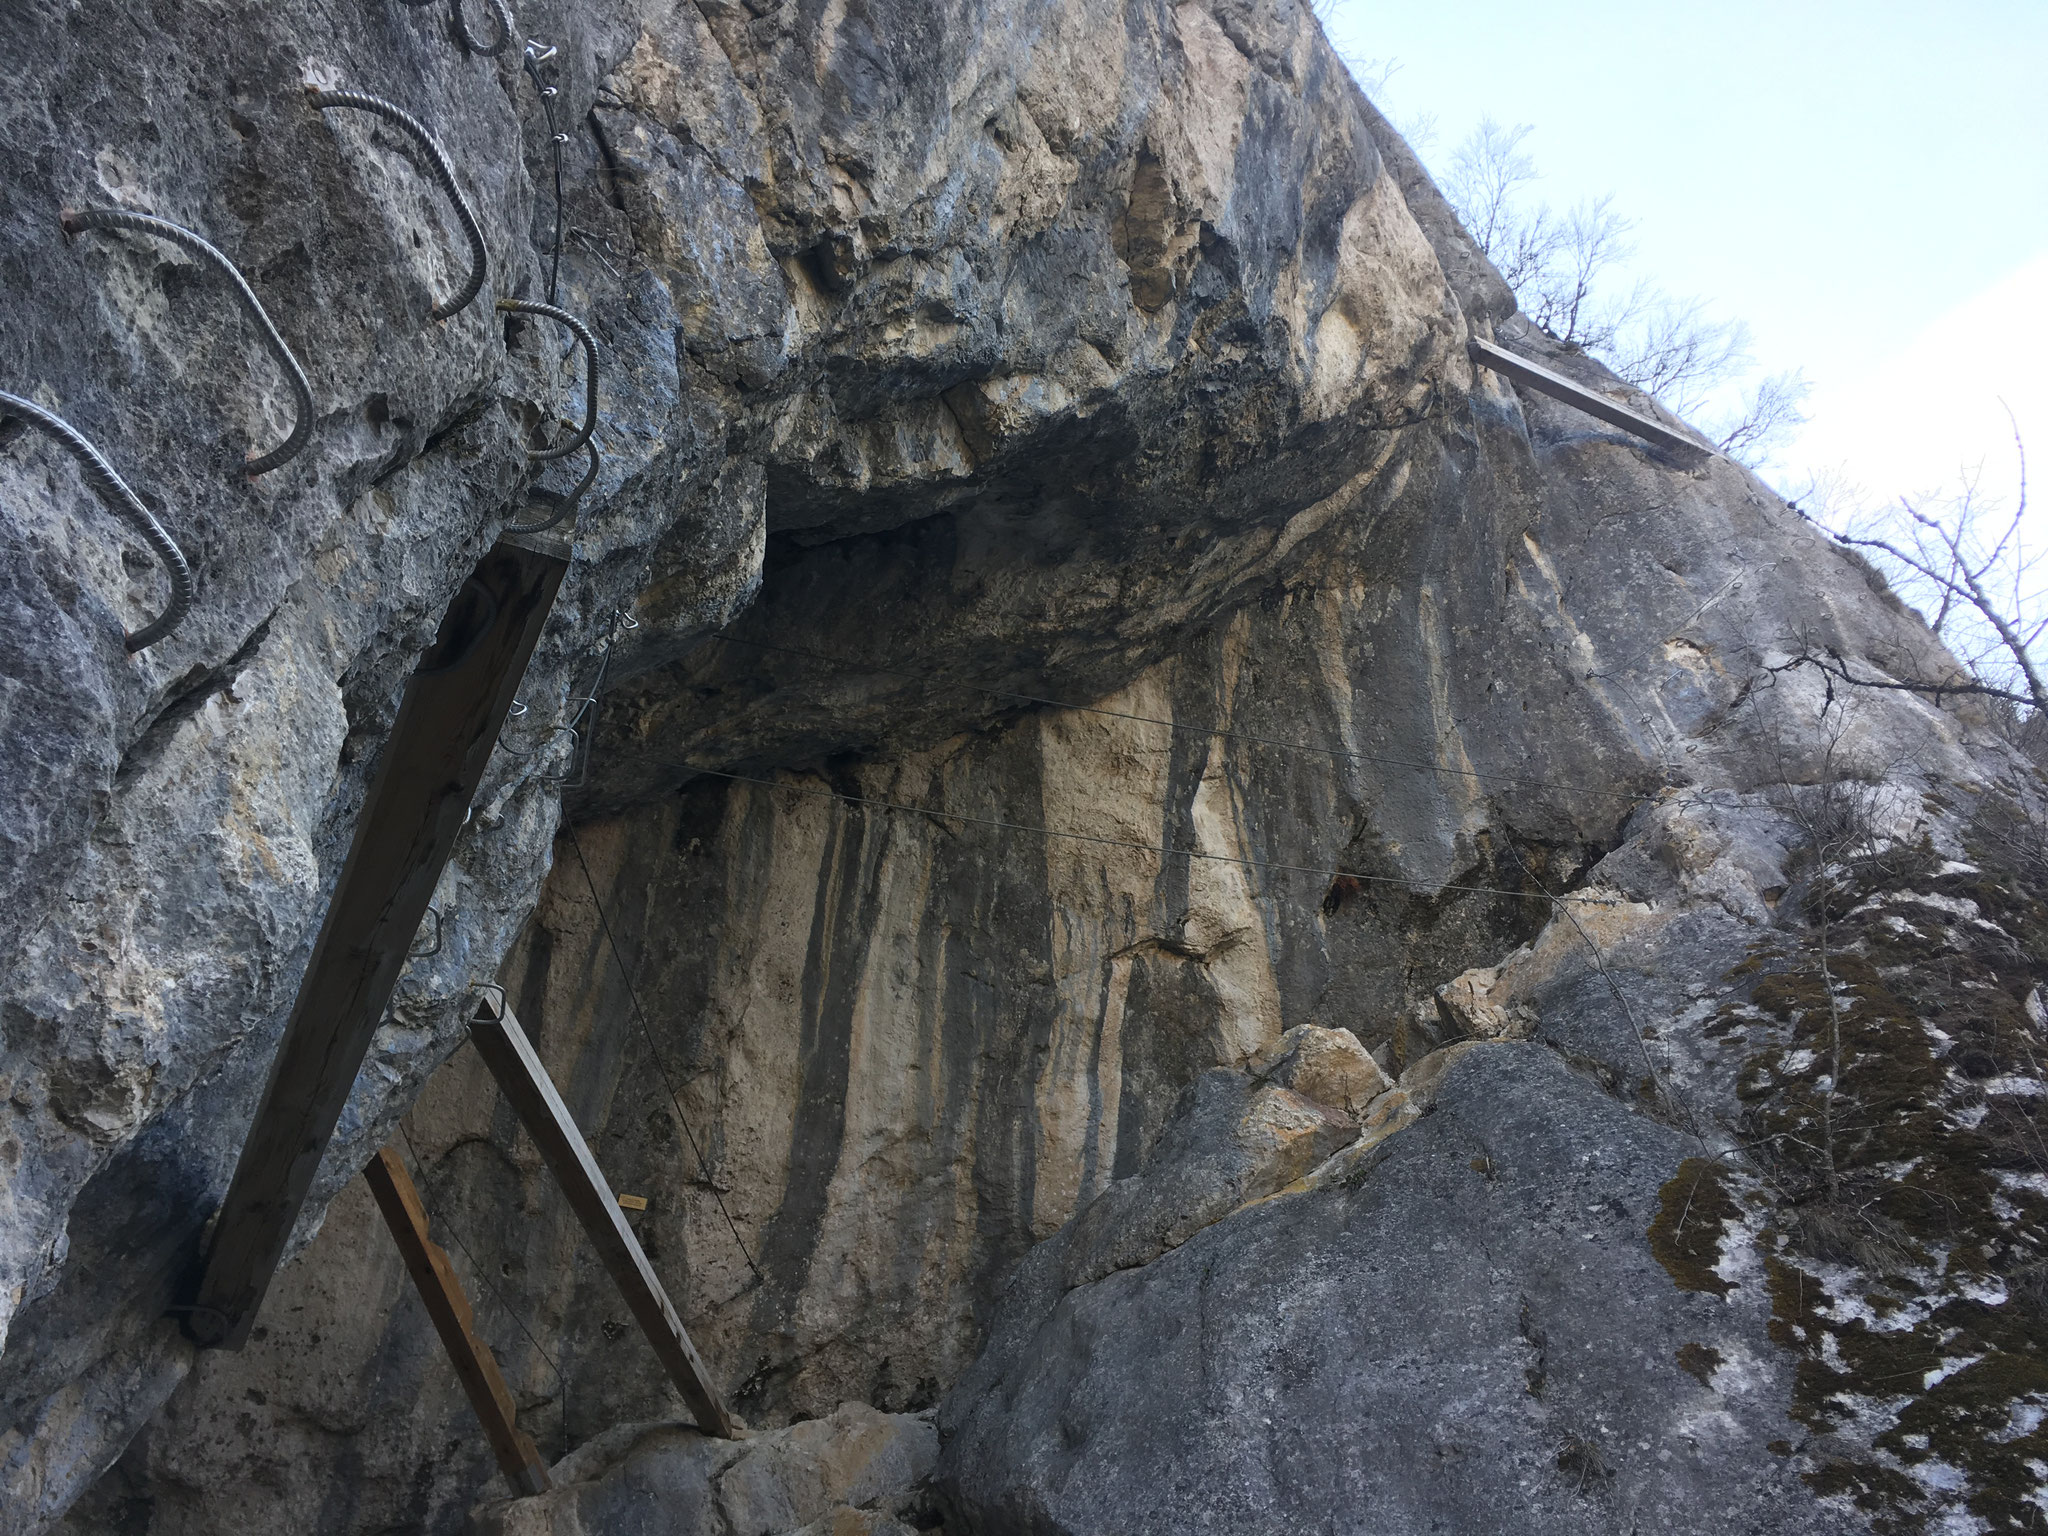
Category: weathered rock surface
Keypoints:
(174, 819)
(1326, 1065)
(851, 1474)
(966, 357)
(1466, 1333)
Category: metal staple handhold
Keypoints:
(118, 499)
(501, 13)
(589, 344)
(444, 173)
(76, 220)
(435, 948)
(562, 505)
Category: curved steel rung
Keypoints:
(444, 173)
(560, 506)
(77, 220)
(118, 499)
(589, 344)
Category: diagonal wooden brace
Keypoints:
(525, 1082)
(448, 722)
(447, 1304)
(1535, 376)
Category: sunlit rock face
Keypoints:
(1161, 688)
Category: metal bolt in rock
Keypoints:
(500, 13)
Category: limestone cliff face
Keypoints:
(1144, 634)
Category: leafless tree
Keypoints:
(1672, 347)
(1768, 415)
(1484, 182)
(1965, 564)
(1568, 271)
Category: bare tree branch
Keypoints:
(1832, 666)
(1567, 270)
(1965, 564)
(1770, 414)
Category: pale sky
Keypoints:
(1865, 183)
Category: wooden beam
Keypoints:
(1556, 385)
(448, 722)
(510, 1056)
(448, 1306)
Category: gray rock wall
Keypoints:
(846, 1474)
(175, 818)
(911, 1047)
(827, 256)
(969, 356)
(1464, 1333)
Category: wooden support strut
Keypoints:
(1539, 378)
(454, 1320)
(448, 722)
(510, 1056)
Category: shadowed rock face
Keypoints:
(957, 358)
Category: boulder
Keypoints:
(1231, 1142)
(1326, 1065)
(853, 1473)
(1477, 1005)
(1469, 1333)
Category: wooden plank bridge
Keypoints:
(1535, 376)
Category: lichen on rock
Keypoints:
(1891, 1091)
